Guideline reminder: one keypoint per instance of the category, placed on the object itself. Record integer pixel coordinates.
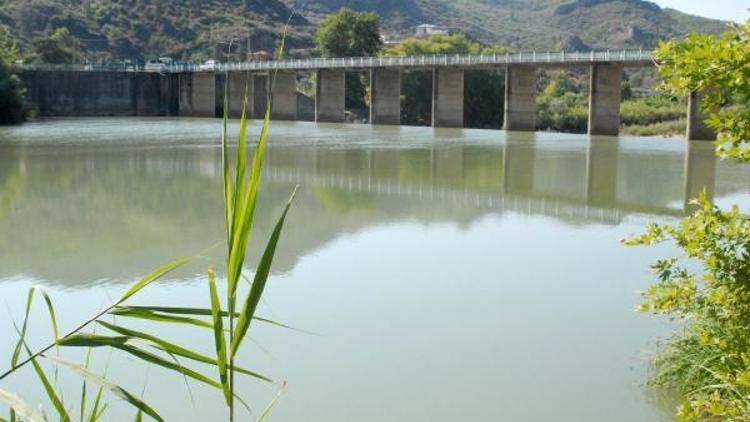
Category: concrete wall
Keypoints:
(330, 98)
(305, 108)
(448, 98)
(520, 98)
(385, 97)
(604, 99)
(240, 85)
(198, 94)
(284, 95)
(697, 130)
(68, 93)
(260, 95)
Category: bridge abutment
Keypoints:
(520, 99)
(330, 96)
(697, 130)
(284, 95)
(385, 96)
(605, 90)
(448, 97)
(198, 94)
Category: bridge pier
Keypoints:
(259, 99)
(604, 99)
(700, 173)
(601, 172)
(385, 96)
(284, 95)
(520, 98)
(448, 97)
(330, 96)
(240, 83)
(198, 94)
(697, 130)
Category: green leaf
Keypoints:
(151, 310)
(50, 390)
(175, 349)
(145, 281)
(22, 335)
(259, 282)
(145, 313)
(113, 388)
(20, 407)
(267, 410)
(219, 340)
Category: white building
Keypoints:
(426, 30)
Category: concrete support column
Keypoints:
(520, 98)
(448, 97)
(601, 172)
(604, 99)
(697, 130)
(198, 94)
(330, 96)
(284, 95)
(385, 97)
(700, 173)
(260, 90)
(240, 84)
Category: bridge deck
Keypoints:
(625, 57)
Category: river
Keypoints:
(430, 275)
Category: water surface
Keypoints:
(438, 274)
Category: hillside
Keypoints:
(199, 29)
(527, 24)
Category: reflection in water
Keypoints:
(514, 236)
(86, 202)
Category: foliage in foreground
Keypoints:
(229, 320)
(708, 363)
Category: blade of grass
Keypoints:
(125, 310)
(219, 339)
(176, 349)
(50, 390)
(22, 335)
(267, 410)
(259, 281)
(155, 275)
(20, 407)
(112, 387)
(141, 313)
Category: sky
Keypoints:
(734, 10)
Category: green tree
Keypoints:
(59, 47)
(708, 362)
(484, 90)
(11, 88)
(351, 34)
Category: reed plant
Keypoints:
(230, 319)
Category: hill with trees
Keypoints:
(198, 29)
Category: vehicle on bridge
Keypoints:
(210, 65)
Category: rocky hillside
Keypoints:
(201, 28)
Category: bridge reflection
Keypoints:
(75, 215)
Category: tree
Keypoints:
(11, 88)
(484, 91)
(351, 34)
(708, 362)
(8, 47)
(60, 47)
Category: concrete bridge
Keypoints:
(192, 90)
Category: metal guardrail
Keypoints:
(638, 57)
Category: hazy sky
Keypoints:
(735, 10)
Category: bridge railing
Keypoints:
(465, 60)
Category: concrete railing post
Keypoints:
(330, 96)
(604, 99)
(448, 97)
(385, 96)
(520, 98)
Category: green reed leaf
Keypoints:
(22, 335)
(259, 281)
(219, 339)
(112, 387)
(20, 407)
(175, 349)
(155, 275)
(50, 390)
(158, 310)
(267, 410)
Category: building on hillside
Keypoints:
(426, 30)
